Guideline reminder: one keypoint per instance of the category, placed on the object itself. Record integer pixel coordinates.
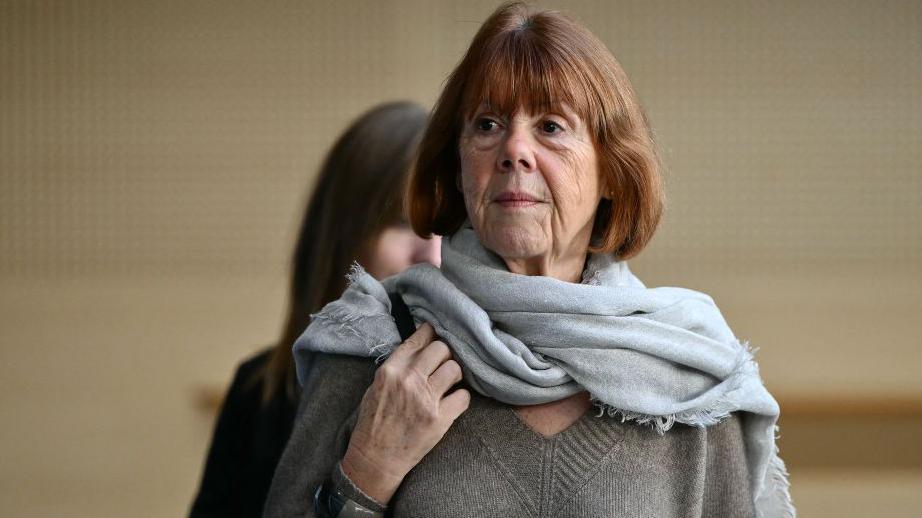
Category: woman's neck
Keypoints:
(568, 268)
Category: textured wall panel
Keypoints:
(171, 137)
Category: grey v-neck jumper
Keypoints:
(490, 464)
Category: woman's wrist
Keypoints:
(340, 498)
(369, 478)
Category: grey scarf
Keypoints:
(655, 356)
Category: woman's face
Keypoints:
(398, 248)
(531, 186)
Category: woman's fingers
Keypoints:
(403, 414)
(422, 351)
(431, 357)
(423, 336)
(455, 404)
(444, 377)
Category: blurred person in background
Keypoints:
(354, 214)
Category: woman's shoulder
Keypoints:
(249, 367)
(344, 371)
(337, 374)
(342, 365)
(247, 382)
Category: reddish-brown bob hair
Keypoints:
(533, 60)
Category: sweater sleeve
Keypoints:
(726, 491)
(331, 393)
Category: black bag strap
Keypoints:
(401, 314)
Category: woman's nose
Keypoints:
(517, 151)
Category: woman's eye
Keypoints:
(550, 127)
(484, 124)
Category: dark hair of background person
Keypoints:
(359, 193)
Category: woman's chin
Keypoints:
(514, 244)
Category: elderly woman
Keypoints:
(539, 168)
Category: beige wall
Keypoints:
(154, 157)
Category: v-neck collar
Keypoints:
(528, 428)
(567, 459)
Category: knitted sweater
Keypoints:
(490, 463)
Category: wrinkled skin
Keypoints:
(547, 157)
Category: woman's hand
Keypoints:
(404, 414)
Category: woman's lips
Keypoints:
(516, 199)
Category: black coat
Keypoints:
(248, 441)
